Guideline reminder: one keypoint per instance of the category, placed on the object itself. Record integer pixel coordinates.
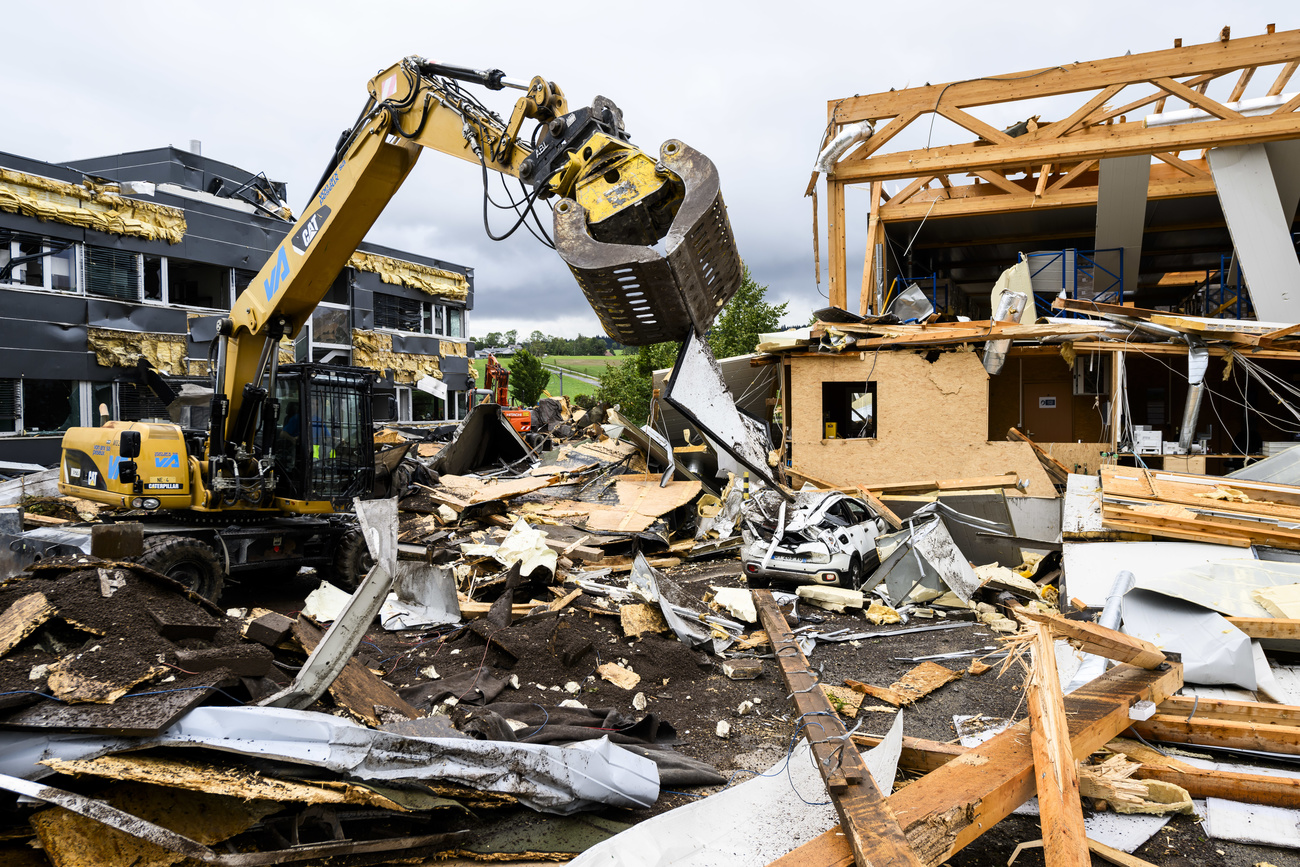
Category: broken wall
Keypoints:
(90, 206)
(932, 420)
(434, 281)
(375, 350)
(115, 348)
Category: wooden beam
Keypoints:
(945, 810)
(835, 230)
(908, 191)
(1281, 332)
(1240, 87)
(1056, 130)
(1290, 106)
(1247, 735)
(1058, 471)
(975, 125)
(1003, 183)
(871, 297)
(1283, 77)
(1044, 174)
(1184, 166)
(881, 137)
(1055, 776)
(1213, 57)
(1196, 98)
(1099, 640)
(868, 822)
(1268, 628)
(1073, 173)
(1103, 142)
(926, 756)
(1007, 480)
(880, 508)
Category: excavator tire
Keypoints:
(352, 561)
(187, 561)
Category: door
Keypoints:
(1048, 411)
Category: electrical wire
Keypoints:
(939, 99)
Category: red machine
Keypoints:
(498, 387)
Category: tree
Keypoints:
(493, 339)
(528, 378)
(512, 337)
(735, 332)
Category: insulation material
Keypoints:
(375, 351)
(1016, 279)
(1252, 823)
(114, 348)
(89, 206)
(523, 545)
(1213, 650)
(931, 414)
(451, 349)
(435, 281)
(755, 822)
(1227, 586)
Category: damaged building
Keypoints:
(109, 261)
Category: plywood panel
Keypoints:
(1082, 458)
(932, 420)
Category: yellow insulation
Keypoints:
(435, 281)
(374, 350)
(448, 349)
(114, 348)
(89, 205)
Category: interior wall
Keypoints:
(1005, 390)
(932, 422)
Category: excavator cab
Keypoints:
(325, 448)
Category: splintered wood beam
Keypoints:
(1044, 174)
(1099, 640)
(869, 825)
(1237, 734)
(1198, 99)
(1283, 77)
(1055, 776)
(945, 810)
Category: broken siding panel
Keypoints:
(375, 351)
(114, 348)
(433, 281)
(89, 206)
(929, 414)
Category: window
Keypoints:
(50, 405)
(242, 279)
(113, 273)
(421, 317)
(195, 284)
(426, 407)
(153, 279)
(455, 322)
(330, 326)
(462, 404)
(138, 403)
(10, 411)
(848, 410)
(41, 263)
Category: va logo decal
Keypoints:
(167, 459)
(278, 275)
(304, 236)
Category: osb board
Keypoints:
(1083, 458)
(475, 491)
(231, 781)
(71, 840)
(640, 501)
(932, 415)
(22, 619)
(356, 689)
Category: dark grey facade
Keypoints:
(60, 283)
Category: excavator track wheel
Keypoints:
(352, 561)
(187, 561)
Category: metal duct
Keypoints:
(847, 138)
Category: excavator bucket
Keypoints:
(641, 295)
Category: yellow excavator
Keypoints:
(264, 488)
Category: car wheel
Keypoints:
(852, 577)
(186, 561)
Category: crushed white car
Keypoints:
(821, 538)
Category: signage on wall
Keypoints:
(1047, 403)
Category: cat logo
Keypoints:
(92, 477)
(303, 238)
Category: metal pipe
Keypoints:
(847, 138)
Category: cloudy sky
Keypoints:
(269, 85)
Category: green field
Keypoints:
(588, 365)
(569, 388)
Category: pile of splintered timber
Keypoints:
(1200, 508)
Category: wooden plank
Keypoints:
(1079, 168)
(1184, 166)
(926, 756)
(836, 234)
(1099, 640)
(1230, 530)
(1268, 628)
(1055, 776)
(1245, 735)
(882, 136)
(1240, 87)
(1063, 127)
(974, 124)
(1003, 183)
(1262, 712)
(1007, 480)
(880, 508)
(1174, 533)
(1057, 470)
(948, 808)
(1116, 856)
(1284, 76)
(870, 828)
(356, 689)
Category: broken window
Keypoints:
(848, 410)
(50, 405)
(41, 263)
(153, 282)
(330, 325)
(9, 410)
(399, 314)
(196, 284)
(242, 279)
(137, 402)
(426, 407)
(113, 273)
(455, 322)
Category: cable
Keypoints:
(935, 110)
